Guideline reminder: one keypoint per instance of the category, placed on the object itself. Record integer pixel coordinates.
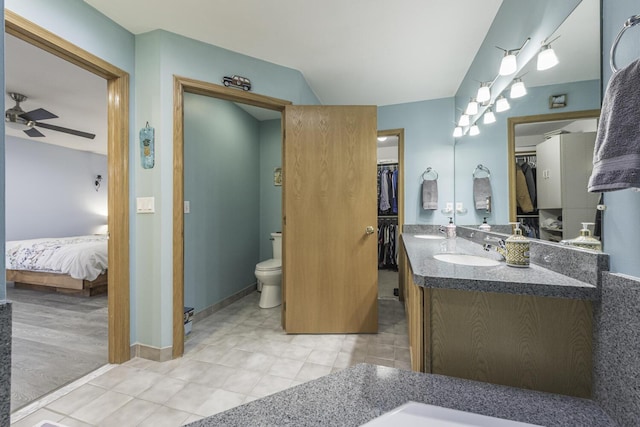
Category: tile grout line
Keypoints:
(55, 395)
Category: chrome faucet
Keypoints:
(499, 246)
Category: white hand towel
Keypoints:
(430, 194)
(616, 157)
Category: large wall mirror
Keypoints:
(560, 100)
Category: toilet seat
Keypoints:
(269, 265)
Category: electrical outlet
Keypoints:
(459, 206)
(449, 206)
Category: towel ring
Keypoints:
(428, 171)
(633, 20)
(481, 168)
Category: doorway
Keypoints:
(390, 207)
(117, 171)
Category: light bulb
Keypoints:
(517, 89)
(508, 65)
(472, 107)
(484, 93)
(464, 120)
(546, 58)
(502, 104)
(474, 130)
(489, 117)
(457, 132)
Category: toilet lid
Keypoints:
(270, 264)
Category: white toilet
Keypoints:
(269, 275)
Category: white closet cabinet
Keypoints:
(564, 164)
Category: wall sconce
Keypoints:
(502, 104)
(509, 64)
(489, 117)
(97, 182)
(484, 93)
(474, 130)
(547, 57)
(518, 89)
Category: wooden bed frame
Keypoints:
(59, 282)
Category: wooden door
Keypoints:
(330, 277)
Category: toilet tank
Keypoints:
(277, 245)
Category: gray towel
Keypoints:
(616, 156)
(430, 194)
(481, 192)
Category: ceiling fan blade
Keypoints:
(65, 130)
(33, 132)
(38, 114)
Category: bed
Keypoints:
(67, 264)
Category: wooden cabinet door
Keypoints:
(330, 277)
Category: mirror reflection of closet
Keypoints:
(388, 206)
(553, 163)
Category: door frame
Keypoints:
(198, 87)
(119, 344)
(511, 144)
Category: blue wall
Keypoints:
(427, 142)
(50, 190)
(621, 224)
(270, 195)
(221, 168)
(490, 147)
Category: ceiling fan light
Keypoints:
(518, 89)
(502, 104)
(474, 130)
(457, 132)
(508, 65)
(464, 120)
(472, 108)
(546, 58)
(489, 117)
(484, 93)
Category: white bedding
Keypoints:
(81, 257)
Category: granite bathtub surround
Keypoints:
(361, 393)
(5, 363)
(581, 264)
(616, 358)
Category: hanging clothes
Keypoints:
(387, 189)
(387, 244)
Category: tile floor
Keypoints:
(232, 357)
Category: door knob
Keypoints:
(369, 230)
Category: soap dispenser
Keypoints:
(450, 229)
(585, 240)
(517, 248)
(484, 226)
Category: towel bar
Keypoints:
(633, 20)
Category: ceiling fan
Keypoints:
(16, 115)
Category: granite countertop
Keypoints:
(534, 280)
(361, 393)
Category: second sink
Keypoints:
(464, 259)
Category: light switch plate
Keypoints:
(459, 206)
(187, 207)
(145, 204)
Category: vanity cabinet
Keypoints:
(564, 164)
(532, 342)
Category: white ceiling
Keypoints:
(356, 52)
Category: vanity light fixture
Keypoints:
(488, 117)
(472, 107)
(474, 130)
(502, 104)
(509, 64)
(464, 120)
(546, 58)
(518, 89)
(484, 93)
(457, 132)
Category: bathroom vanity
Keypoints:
(523, 327)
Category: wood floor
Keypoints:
(57, 339)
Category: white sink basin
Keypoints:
(429, 236)
(464, 259)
